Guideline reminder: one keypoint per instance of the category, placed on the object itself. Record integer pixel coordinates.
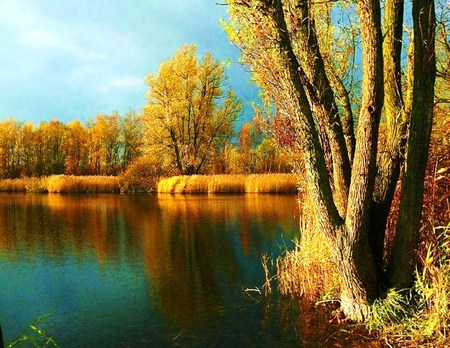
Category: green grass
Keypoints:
(34, 335)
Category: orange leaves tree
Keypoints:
(294, 59)
(189, 116)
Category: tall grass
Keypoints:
(309, 269)
(421, 315)
(253, 183)
(82, 184)
(34, 335)
(62, 184)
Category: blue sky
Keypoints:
(72, 59)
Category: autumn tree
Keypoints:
(188, 115)
(285, 44)
(49, 155)
(76, 149)
(105, 144)
(131, 129)
(26, 143)
(246, 140)
(9, 157)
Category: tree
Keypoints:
(131, 129)
(246, 144)
(9, 158)
(26, 144)
(188, 116)
(76, 149)
(284, 46)
(105, 144)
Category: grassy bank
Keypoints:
(253, 183)
(62, 184)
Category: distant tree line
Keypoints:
(104, 146)
(187, 127)
(109, 143)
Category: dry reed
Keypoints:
(309, 269)
(253, 183)
(82, 184)
(12, 185)
(62, 184)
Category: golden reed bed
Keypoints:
(62, 184)
(253, 183)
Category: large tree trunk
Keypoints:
(357, 267)
(390, 156)
(401, 264)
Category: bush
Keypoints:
(141, 176)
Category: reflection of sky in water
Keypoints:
(144, 270)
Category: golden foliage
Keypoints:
(188, 115)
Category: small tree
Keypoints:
(188, 115)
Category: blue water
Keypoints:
(144, 271)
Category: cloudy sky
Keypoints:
(72, 59)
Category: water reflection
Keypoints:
(194, 252)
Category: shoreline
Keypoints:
(271, 183)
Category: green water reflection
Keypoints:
(142, 270)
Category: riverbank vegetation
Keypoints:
(202, 139)
(143, 178)
(62, 184)
(253, 183)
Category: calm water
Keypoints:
(144, 271)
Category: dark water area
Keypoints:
(144, 271)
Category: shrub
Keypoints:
(141, 176)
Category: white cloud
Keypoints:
(88, 54)
(122, 83)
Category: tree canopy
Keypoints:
(189, 116)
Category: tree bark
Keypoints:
(326, 108)
(360, 284)
(401, 266)
(347, 117)
(390, 157)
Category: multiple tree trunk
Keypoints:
(351, 191)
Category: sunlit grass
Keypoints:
(62, 184)
(82, 184)
(421, 315)
(253, 183)
(309, 270)
(12, 185)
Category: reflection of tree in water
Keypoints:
(194, 247)
(189, 258)
(55, 224)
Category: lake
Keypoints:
(144, 271)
